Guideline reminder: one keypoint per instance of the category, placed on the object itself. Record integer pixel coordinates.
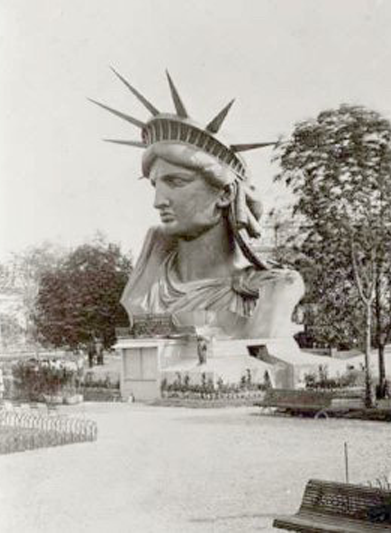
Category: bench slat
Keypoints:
(320, 524)
(341, 508)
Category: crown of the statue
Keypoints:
(180, 128)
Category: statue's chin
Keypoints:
(172, 230)
(190, 233)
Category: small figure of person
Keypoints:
(99, 352)
(91, 352)
(202, 350)
(1, 384)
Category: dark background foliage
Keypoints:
(78, 299)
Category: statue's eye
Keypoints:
(175, 181)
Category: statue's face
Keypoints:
(187, 203)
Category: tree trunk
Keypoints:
(99, 357)
(369, 391)
(382, 371)
(380, 340)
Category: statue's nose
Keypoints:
(161, 199)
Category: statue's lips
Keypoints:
(167, 217)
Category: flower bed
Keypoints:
(101, 389)
(101, 394)
(18, 439)
(207, 391)
(211, 401)
(53, 381)
(22, 430)
(103, 382)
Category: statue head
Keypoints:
(199, 179)
(190, 200)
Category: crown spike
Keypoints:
(138, 144)
(180, 108)
(151, 108)
(215, 124)
(246, 147)
(128, 118)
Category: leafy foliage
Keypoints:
(19, 277)
(321, 380)
(338, 167)
(11, 330)
(78, 299)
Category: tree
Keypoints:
(324, 319)
(10, 330)
(78, 300)
(338, 167)
(19, 281)
(282, 235)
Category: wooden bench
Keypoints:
(340, 508)
(296, 401)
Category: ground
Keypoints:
(161, 469)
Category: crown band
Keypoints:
(170, 129)
(179, 128)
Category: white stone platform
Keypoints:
(147, 361)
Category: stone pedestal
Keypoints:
(143, 361)
(146, 362)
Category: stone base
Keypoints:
(147, 362)
(142, 363)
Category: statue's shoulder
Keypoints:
(250, 281)
(156, 247)
(157, 238)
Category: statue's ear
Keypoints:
(226, 197)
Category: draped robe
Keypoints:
(250, 304)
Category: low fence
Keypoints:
(20, 431)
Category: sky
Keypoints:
(283, 60)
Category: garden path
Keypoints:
(157, 469)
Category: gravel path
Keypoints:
(156, 469)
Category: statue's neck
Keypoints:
(210, 255)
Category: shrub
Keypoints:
(107, 382)
(208, 389)
(35, 378)
(351, 378)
